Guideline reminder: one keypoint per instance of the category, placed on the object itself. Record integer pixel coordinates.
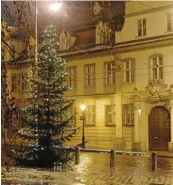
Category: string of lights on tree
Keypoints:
(46, 120)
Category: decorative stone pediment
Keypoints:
(157, 91)
(156, 88)
(66, 40)
(97, 8)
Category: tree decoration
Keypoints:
(46, 120)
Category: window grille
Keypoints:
(91, 115)
(128, 114)
(110, 115)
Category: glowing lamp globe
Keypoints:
(83, 107)
(55, 7)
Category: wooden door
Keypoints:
(159, 129)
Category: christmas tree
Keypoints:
(46, 120)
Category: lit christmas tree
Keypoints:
(46, 119)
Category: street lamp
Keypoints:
(55, 6)
(83, 107)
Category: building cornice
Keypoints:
(149, 42)
(145, 43)
(128, 46)
(149, 11)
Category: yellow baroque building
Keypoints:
(124, 78)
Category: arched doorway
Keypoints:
(159, 128)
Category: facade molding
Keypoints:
(124, 46)
(148, 11)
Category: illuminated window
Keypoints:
(91, 115)
(109, 73)
(128, 114)
(110, 115)
(89, 74)
(129, 70)
(71, 78)
(142, 30)
(169, 21)
(13, 82)
(157, 68)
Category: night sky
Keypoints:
(72, 14)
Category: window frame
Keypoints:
(141, 27)
(22, 82)
(89, 75)
(169, 22)
(109, 74)
(90, 115)
(112, 112)
(13, 83)
(100, 32)
(130, 69)
(128, 112)
(71, 80)
(157, 67)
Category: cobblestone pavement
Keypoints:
(94, 170)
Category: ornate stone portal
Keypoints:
(157, 89)
(158, 94)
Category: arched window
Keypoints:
(156, 63)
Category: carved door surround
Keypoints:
(159, 128)
(158, 91)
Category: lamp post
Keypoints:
(54, 7)
(83, 107)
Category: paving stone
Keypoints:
(94, 170)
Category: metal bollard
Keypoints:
(112, 158)
(154, 161)
(77, 155)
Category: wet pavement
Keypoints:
(94, 169)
